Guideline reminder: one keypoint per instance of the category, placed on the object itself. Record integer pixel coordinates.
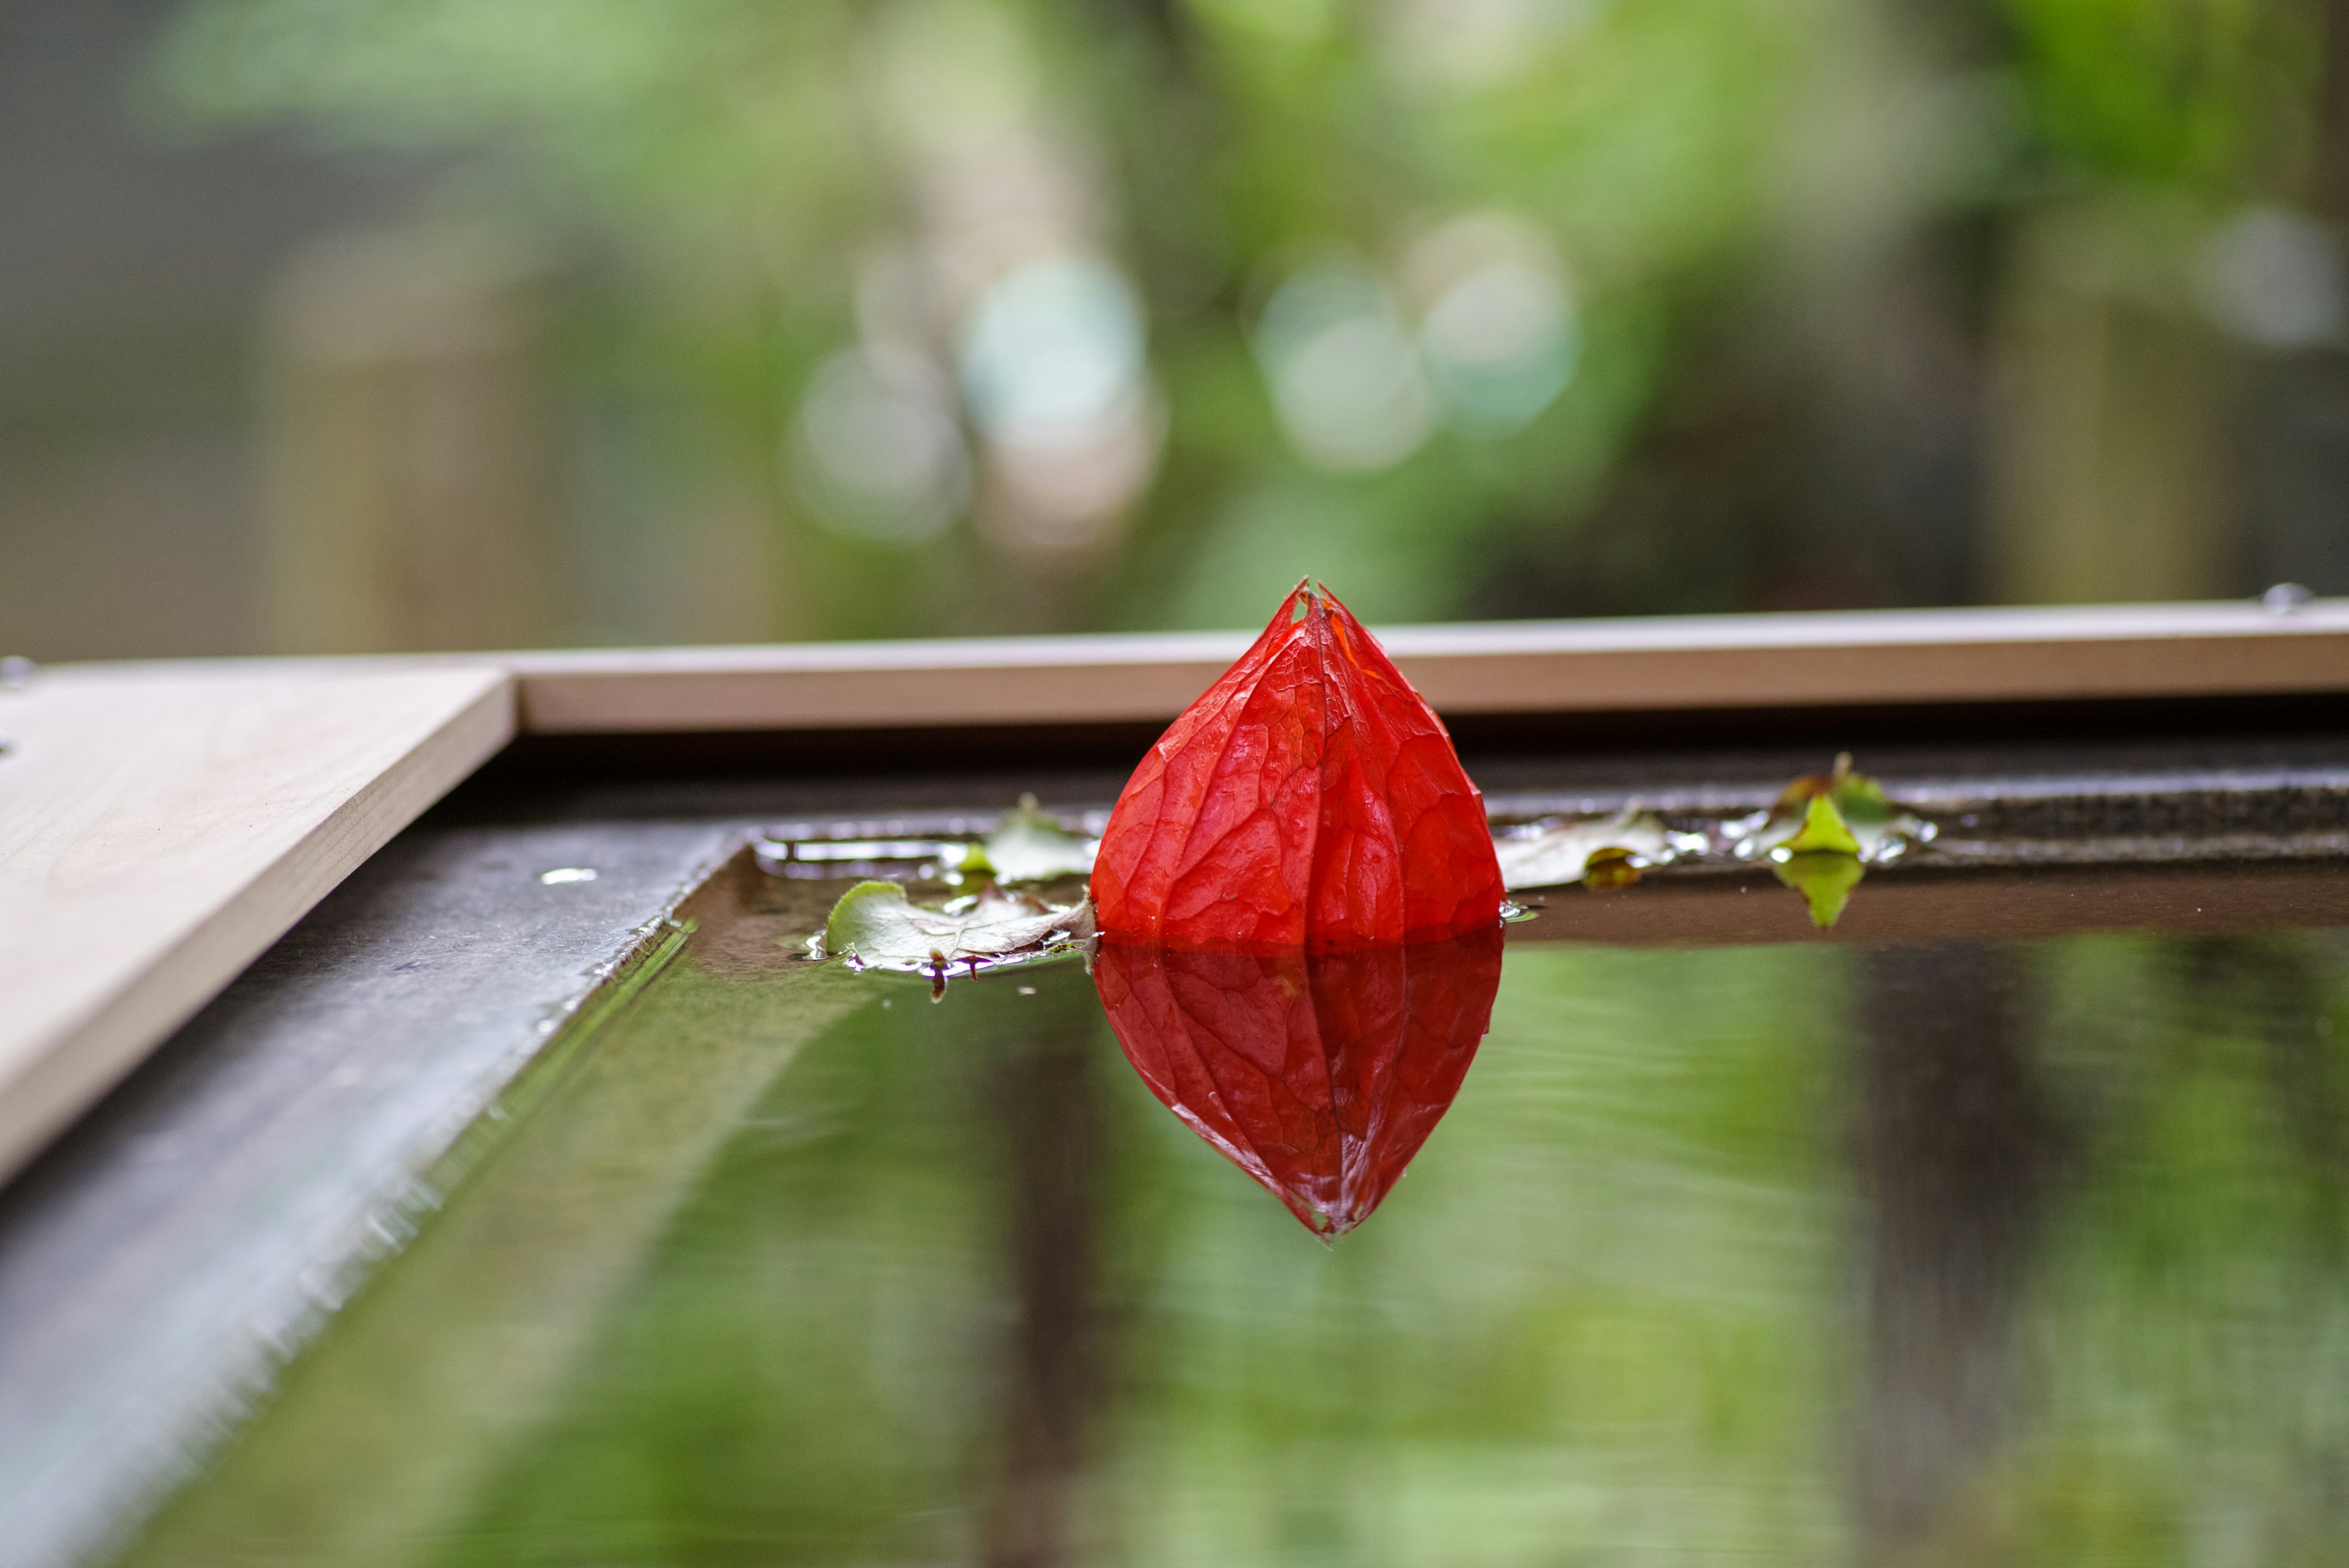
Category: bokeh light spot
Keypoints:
(1501, 345)
(1345, 375)
(1053, 353)
(879, 455)
(2274, 277)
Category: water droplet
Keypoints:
(2284, 598)
(16, 671)
(566, 873)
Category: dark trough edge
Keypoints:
(165, 1257)
(164, 1261)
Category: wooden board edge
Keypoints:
(1918, 659)
(72, 1073)
(1663, 664)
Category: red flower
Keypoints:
(1319, 1075)
(1311, 798)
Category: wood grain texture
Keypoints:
(1919, 657)
(160, 827)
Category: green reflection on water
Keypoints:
(1774, 1255)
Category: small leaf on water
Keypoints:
(1032, 847)
(1611, 867)
(1554, 853)
(1822, 830)
(1823, 833)
(875, 926)
(1824, 877)
(1841, 811)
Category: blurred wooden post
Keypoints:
(2111, 462)
(2329, 183)
(411, 471)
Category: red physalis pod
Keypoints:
(1309, 798)
(1319, 1075)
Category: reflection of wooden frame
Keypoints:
(161, 825)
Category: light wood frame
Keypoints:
(161, 824)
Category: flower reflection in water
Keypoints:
(1320, 1075)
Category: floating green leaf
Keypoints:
(1841, 811)
(1600, 852)
(1030, 846)
(1824, 877)
(1823, 829)
(1823, 833)
(875, 926)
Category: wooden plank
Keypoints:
(1666, 663)
(159, 827)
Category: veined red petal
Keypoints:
(1309, 797)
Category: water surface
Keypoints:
(2021, 1251)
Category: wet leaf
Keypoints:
(1823, 833)
(1823, 829)
(1824, 877)
(1032, 847)
(1310, 796)
(1602, 852)
(1841, 811)
(1319, 1074)
(1609, 868)
(875, 926)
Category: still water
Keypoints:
(1996, 1251)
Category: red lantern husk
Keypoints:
(1311, 798)
(1320, 1075)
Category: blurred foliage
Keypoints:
(729, 166)
(2212, 94)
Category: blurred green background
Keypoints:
(351, 325)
